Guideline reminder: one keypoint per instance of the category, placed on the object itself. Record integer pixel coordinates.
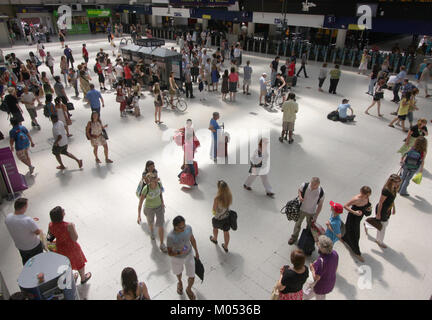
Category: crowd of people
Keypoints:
(26, 85)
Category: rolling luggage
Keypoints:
(187, 178)
(306, 242)
(195, 164)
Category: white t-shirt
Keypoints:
(310, 199)
(118, 70)
(59, 129)
(236, 52)
(263, 84)
(28, 99)
(21, 229)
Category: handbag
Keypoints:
(120, 98)
(375, 223)
(418, 178)
(275, 293)
(292, 209)
(104, 134)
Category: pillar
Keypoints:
(272, 30)
(251, 29)
(340, 38)
(236, 28)
(154, 21)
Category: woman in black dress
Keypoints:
(357, 207)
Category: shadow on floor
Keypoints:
(398, 260)
(345, 287)
(421, 204)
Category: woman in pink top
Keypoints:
(233, 83)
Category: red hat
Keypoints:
(337, 207)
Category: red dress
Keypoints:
(66, 246)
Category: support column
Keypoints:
(251, 28)
(272, 29)
(340, 38)
(154, 21)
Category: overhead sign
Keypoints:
(202, 2)
(206, 16)
(98, 13)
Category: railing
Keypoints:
(314, 52)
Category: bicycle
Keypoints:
(179, 103)
(275, 97)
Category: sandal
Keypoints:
(191, 295)
(80, 164)
(61, 167)
(98, 161)
(390, 125)
(223, 246)
(212, 240)
(88, 276)
(180, 288)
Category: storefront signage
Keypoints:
(10, 172)
(206, 16)
(98, 13)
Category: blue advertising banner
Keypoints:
(202, 2)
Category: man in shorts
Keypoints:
(28, 99)
(247, 72)
(154, 207)
(289, 109)
(180, 242)
(60, 143)
(22, 139)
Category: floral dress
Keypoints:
(96, 137)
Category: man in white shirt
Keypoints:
(24, 231)
(424, 78)
(263, 88)
(28, 99)
(118, 71)
(60, 143)
(237, 53)
(311, 196)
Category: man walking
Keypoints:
(311, 196)
(398, 83)
(303, 65)
(263, 89)
(289, 109)
(424, 79)
(24, 231)
(68, 53)
(247, 75)
(61, 143)
(179, 244)
(274, 67)
(188, 83)
(20, 136)
(93, 97)
(85, 53)
(214, 127)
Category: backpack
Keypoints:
(49, 109)
(21, 136)
(305, 188)
(413, 160)
(334, 115)
(4, 107)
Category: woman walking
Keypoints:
(357, 207)
(131, 288)
(233, 83)
(158, 103)
(64, 67)
(121, 98)
(373, 79)
(221, 219)
(46, 85)
(94, 133)
(215, 77)
(172, 89)
(61, 38)
(66, 242)
(322, 76)
(290, 284)
(41, 50)
(378, 96)
(154, 206)
(84, 82)
(412, 162)
(386, 207)
(323, 270)
(225, 89)
(62, 114)
(364, 62)
(419, 130)
(402, 112)
(25, 75)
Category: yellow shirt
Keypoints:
(404, 107)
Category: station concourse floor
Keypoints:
(101, 200)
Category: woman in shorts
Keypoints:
(158, 102)
(378, 95)
(221, 219)
(154, 207)
(233, 83)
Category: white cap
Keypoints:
(264, 74)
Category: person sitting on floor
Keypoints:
(342, 110)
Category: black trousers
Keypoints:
(321, 81)
(27, 254)
(303, 67)
(396, 88)
(70, 60)
(333, 85)
(189, 89)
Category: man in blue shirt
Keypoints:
(20, 136)
(93, 97)
(342, 109)
(68, 53)
(334, 224)
(399, 79)
(214, 127)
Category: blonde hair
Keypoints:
(151, 176)
(421, 120)
(156, 89)
(224, 196)
(420, 144)
(391, 183)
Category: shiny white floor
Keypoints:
(101, 200)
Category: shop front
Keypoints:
(98, 19)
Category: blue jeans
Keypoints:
(406, 177)
(372, 83)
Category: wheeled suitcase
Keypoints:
(195, 164)
(306, 242)
(187, 178)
